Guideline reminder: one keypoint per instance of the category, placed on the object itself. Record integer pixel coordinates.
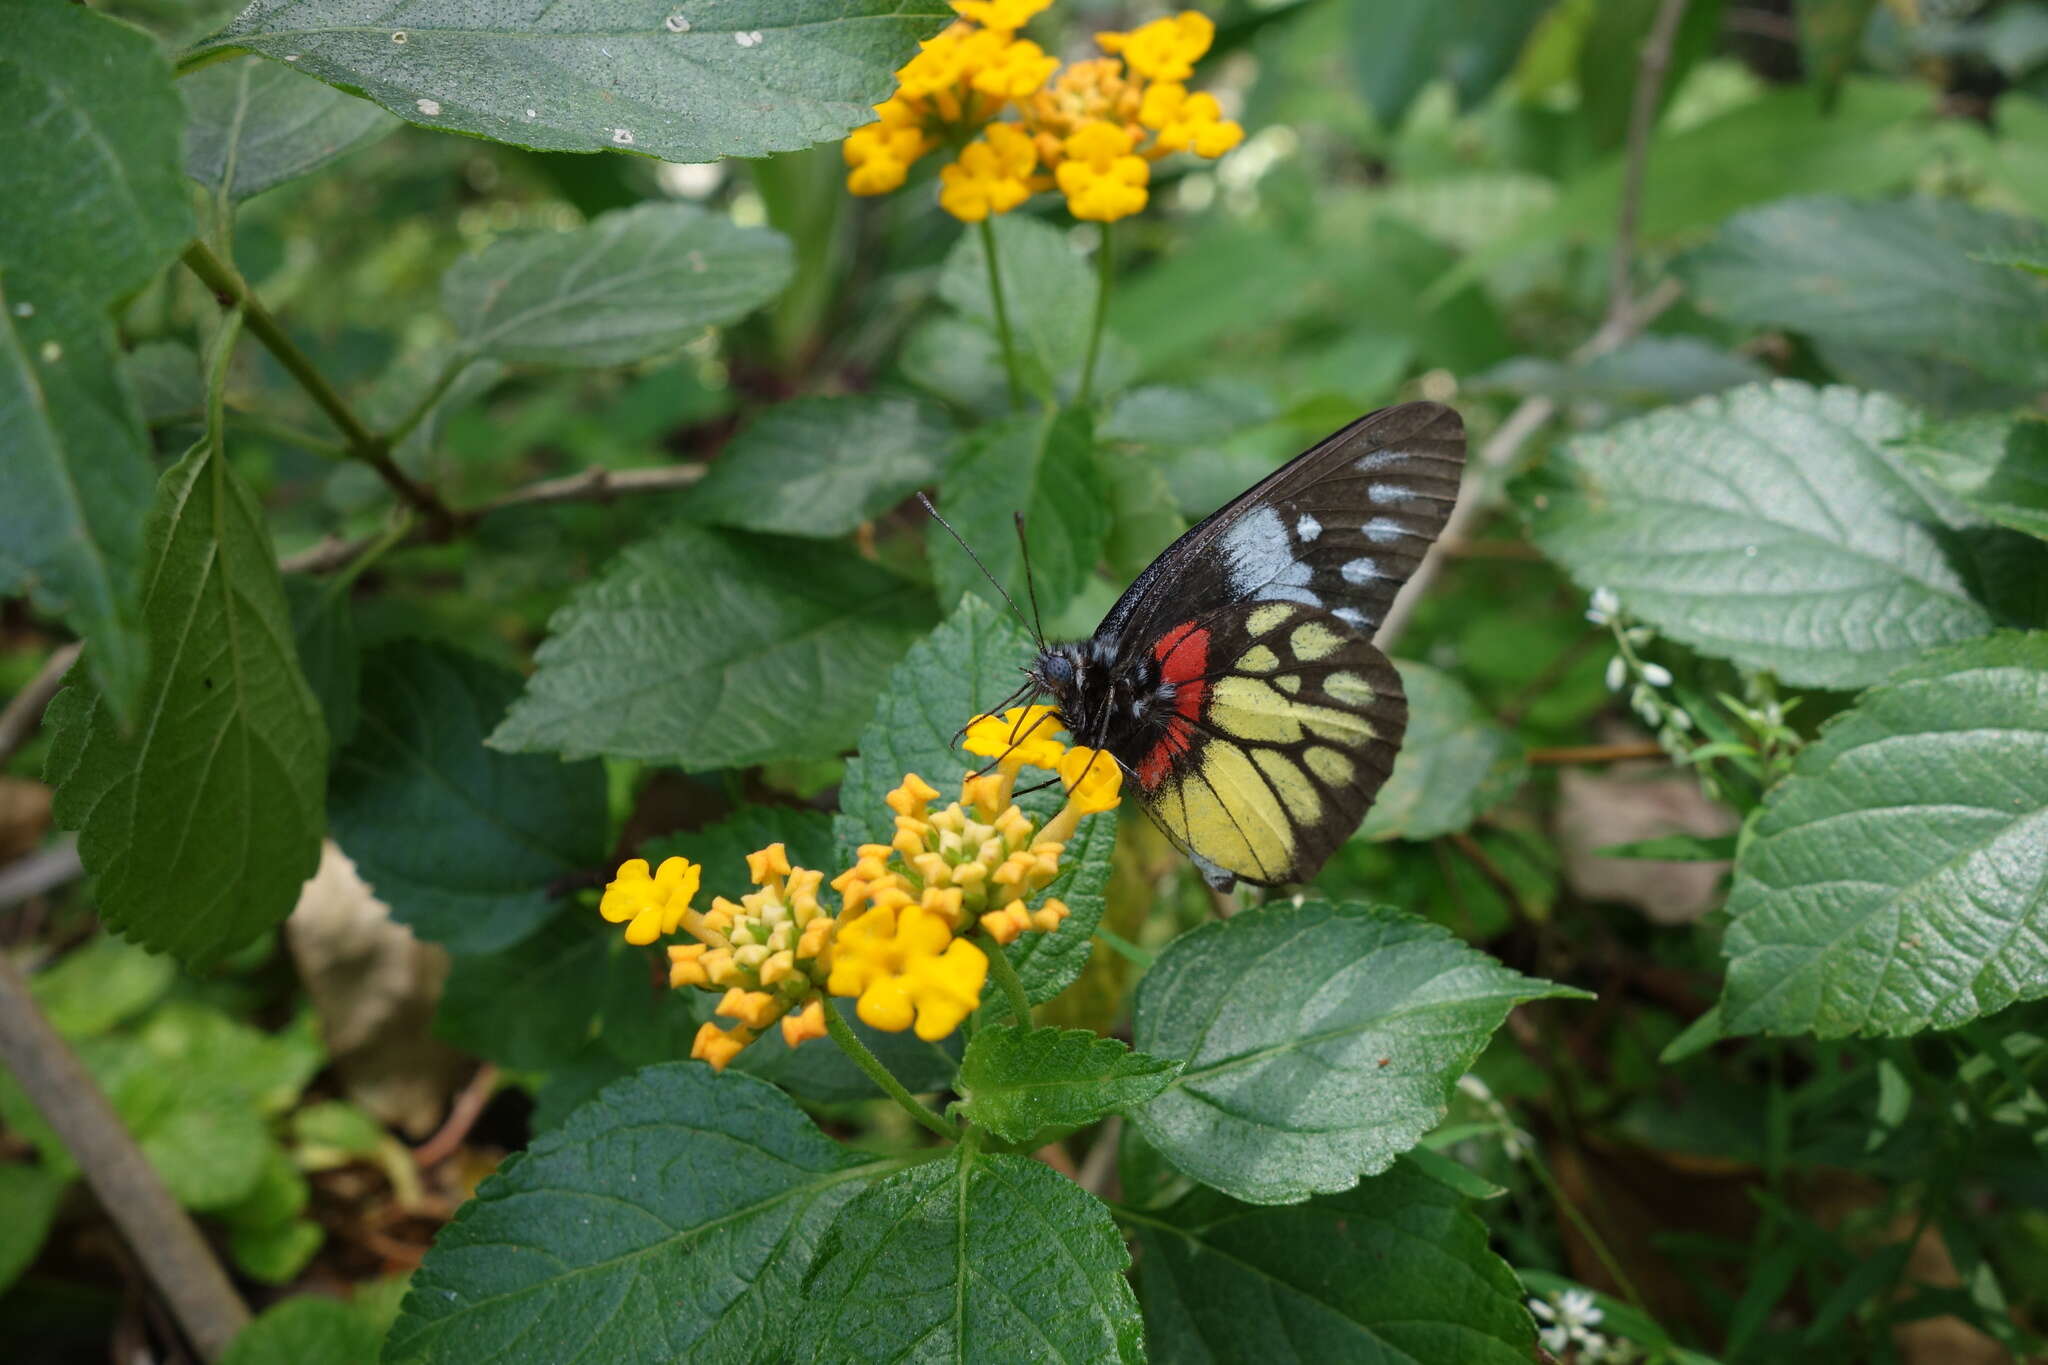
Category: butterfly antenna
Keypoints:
(1021, 617)
(1030, 584)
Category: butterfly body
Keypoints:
(1236, 682)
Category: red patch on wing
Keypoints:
(1183, 655)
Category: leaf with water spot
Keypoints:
(684, 80)
(252, 124)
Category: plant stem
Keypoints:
(1103, 275)
(850, 1043)
(450, 372)
(1012, 985)
(995, 291)
(363, 444)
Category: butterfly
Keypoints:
(1236, 681)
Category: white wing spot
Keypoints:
(1378, 459)
(1395, 493)
(429, 107)
(1353, 617)
(1383, 531)
(1308, 528)
(1256, 557)
(676, 23)
(1360, 570)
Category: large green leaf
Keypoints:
(1020, 1083)
(462, 842)
(709, 649)
(1320, 1042)
(1049, 296)
(683, 80)
(1898, 880)
(822, 466)
(95, 208)
(1773, 525)
(1998, 465)
(967, 665)
(991, 1258)
(95, 200)
(200, 825)
(324, 629)
(251, 124)
(1396, 1269)
(1455, 762)
(1399, 46)
(29, 1194)
(632, 284)
(672, 1218)
(308, 1329)
(1895, 277)
(1042, 464)
(535, 1004)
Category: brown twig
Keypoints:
(1502, 884)
(1652, 63)
(179, 1261)
(1567, 755)
(25, 709)
(592, 485)
(462, 1116)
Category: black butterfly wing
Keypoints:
(1280, 718)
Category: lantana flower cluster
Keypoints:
(899, 945)
(1092, 132)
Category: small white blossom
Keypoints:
(1617, 673)
(1656, 675)
(1604, 606)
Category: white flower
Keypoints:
(1605, 604)
(1617, 673)
(1656, 675)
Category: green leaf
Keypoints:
(276, 1253)
(307, 1330)
(229, 738)
(1774, 526)
(822, 466)
(533, 1005)
(1320, 1041)
(30, 1195)
(463, 843)
(632, 284)
(994, 1258)
(1042, 464)
(1200, 414)
(166, 379)
(1049, 294)
(76, 481)
(1674, 848)
(1399, 46)
(1455, 763)
(1997, 465)
(1646, 371)
(1395, 1269)
(251, 124)
(671, 1218)
(101, 985)
(952, 358)
(1049, 963)
(1888, 276)
(676, 79)
(1146, 515)
(1022, 1082)
(94, 196)
(1898, 880)
(268, 1070)
(782, 661)
(280, 1195)
(201, 1134)
(324, 630)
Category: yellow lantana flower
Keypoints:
(1005, 15)
(1102, 180)
(1165, 49)
(650, 906)
(881, 153)
(993, 174)
(1025, 734)
(1188, 123)
(905, 964)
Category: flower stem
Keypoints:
(1103, 274)
(1005, 973)
(850, 1043)
(995, 291)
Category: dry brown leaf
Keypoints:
(1631, 802)
(24, 816)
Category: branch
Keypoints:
(1651, 66)
(25, 711)
(162, 1236)
(1570, 754)
(363, 444)
(592, 485)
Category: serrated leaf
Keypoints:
(76, 482)
(1049, 297)
(821, 466)
(1399, 46)
(464, 843)
(987, 1258)
(267, 1070)
(95, 201)
(1455, 763)
(324, 631)
(1892, 276)
(30, 1195)
(251, 124)
(1898, 880)
(1999, 466)
(684, 80)
(1185, 415)
(533, 1005)
(201, 1135)
(632, 284)
(971, 662)
(1320, 1042)
(1395, 1269)
(230, 737)
(1042, 464)
(671, 1218)
(1773, 525)
(1021, 1082)
(782, 660)
(306, 1330)
(952, 358)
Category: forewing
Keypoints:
(1282, 729)
(1340, 528)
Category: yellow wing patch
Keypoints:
(1267, 618)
